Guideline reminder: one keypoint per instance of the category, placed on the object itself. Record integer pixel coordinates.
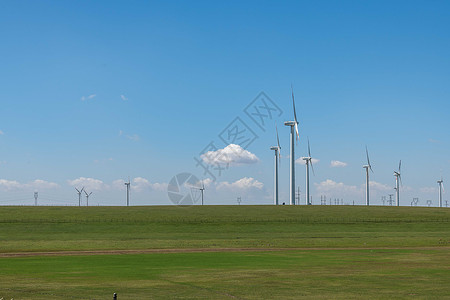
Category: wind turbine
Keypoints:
(441, 189)
(128, 191)
(79, 195)
(87, 197)
(294, 134)
(308, 160)
(398, 180)
(367, 167)
(202, 189)
(277, 150)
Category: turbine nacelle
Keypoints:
(275, 148)
(290, 123)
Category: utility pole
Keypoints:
(390, 199)
(297, 195)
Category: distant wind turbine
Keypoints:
(79, 195)
(398, 181)
(87, 197)
(277, 150)
(127, 184)
(308, 161)
(294, 135)
(367, 167)
(441, 190)
(202, 189)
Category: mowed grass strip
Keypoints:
(35, 229)
(318, 274)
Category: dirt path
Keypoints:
(192, 250)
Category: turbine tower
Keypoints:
(294, 134)
(398, 180)
(87, 197)
(277, 150)
(367, 167)
(308, 161)
(127, 184)
(79, 195)
(441, 189)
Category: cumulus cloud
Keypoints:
(242, 184)
(123, 97)
(429, 190)
(300, 161)
(141, 184)
(84, 98)
(89, 184)
(338, 188)
(118, 184)
(38, 184)
(230, 155)
(379, 186)
(338, 164)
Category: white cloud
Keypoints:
(38, 184)
(338, 164)
(1, 132)
(141, 184)
(242, 184)
(89, 184)
(118, 184)
(8, 185)
(123, 97)
(336, 188)
(231, 154)
(133, 137)
(429, 190)
(300, 161)
(84, 98)
(120, 132)
(379, 186)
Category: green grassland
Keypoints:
(359, 252)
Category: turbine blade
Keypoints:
(77, 190)
(309, 149)
(293, 103)
(312, 168)
(82, 189)
(400, 178)
(296, 131)
(399, 166)
(368, 160)
(278, 139)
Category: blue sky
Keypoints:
(95, 91)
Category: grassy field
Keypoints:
(360, 252)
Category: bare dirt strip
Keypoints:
(193, 250)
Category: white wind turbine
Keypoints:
(79, 195)
(202, 189)
(398, 180)
(277, 150)
(367, 167)
(294, 134)
(308, 161)
(441, 190)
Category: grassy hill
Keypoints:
(103, 228)
(315, 252)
